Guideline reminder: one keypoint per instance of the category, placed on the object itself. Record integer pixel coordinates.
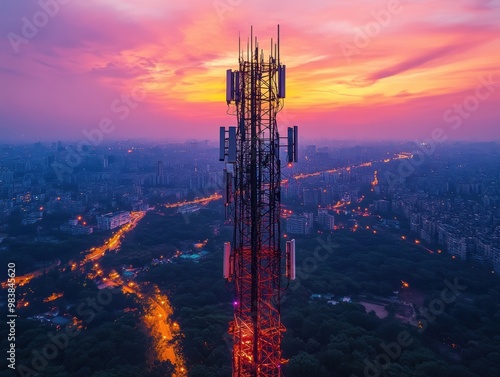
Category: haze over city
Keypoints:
(237, 188)
(378, 70)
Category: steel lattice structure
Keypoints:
(253, 197)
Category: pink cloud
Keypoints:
(90, 54)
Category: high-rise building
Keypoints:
(298, 224)
(457, 246)
(159, 169)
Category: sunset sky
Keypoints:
(356, 69)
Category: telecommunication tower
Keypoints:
(254, 260)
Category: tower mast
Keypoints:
(252, 196)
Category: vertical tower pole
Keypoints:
(254, 262)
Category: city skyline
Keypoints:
(381, 70)
(141, 231)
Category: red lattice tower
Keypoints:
(255, 93)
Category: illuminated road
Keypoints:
(399, 156)
(157, 320)
(204, 200)
(161, 328)
(157, 306)
(114, 242)
(25, 279)
(94, 253)
(207, 199)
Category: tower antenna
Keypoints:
(255, 261)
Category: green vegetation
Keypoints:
(197, 292)
(322, 340)
(342, 340)
(30, 252)
(102, 341)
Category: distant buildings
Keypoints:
(299, 224)
(457, 246)
(32, 218)
(6, 176)
(75, 229)
(326, 220)
(382, 206)
(453, 204)
(113, 220)
(303, 224)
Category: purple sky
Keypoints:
(364, 70)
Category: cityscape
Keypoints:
(447, 207)
(229, 188)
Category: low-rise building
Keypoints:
(111, 221)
